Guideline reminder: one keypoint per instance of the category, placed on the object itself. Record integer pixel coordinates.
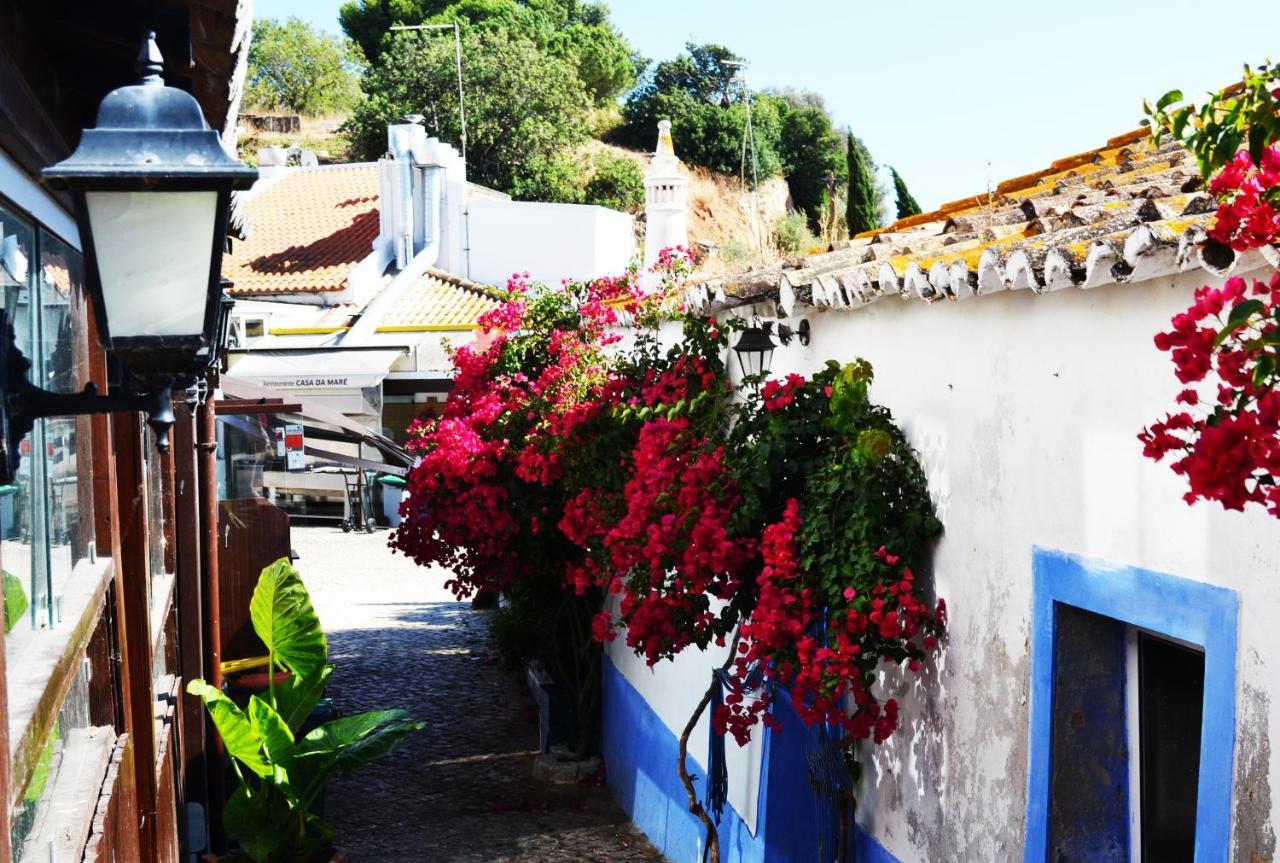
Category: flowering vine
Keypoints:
(1226, 439)
(613, 487)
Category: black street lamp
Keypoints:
(755, 346)
(755, 350)
(152, 189)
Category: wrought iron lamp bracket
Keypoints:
(22, 402)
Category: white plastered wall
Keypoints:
(1024, 410)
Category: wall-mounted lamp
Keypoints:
(152, 189)
(755, 350)
(755, 346)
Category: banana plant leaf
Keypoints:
(299, 696)
(15, 601)
(331, 737)
(277, 739)
(284, 619)
(238, 734)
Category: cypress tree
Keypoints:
(907, 204)
(861, 209)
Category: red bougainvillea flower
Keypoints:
(824, 655)
(1227, 444)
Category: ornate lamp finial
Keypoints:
(150, 64)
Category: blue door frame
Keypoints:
(1188, 610)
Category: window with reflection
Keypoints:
(46, 513)
(64, 367)
(24, 590)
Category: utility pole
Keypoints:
(457, 50)
(831, 211)
(748, 142)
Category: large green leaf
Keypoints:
(333, 736)
(285, 621)
(15, 601)
(299, 696)
(277, 740)
(376, 745)
(260, 822)
(238, 734)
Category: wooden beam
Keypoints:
(274, 406)
(133, 597)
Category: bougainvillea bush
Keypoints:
(1226, 438)
(641, 494)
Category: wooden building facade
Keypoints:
(107, 545)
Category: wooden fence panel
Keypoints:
(252, 533)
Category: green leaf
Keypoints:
(1168, 99)
(238, 734)
(285, 621)
(15, 601)
(1242, 311)
(277, 739)
(1240, 315)
(354, 741)
(259, 822)
(299, 696)
(376, 746)
(1258, 135)
(1264, 370)
(332, 736)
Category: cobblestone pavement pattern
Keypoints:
(460, 791)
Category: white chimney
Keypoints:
(666, 199)
(405, 197)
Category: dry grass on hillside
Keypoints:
(319, 134)
(720, 216)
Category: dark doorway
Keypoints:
(1171, 700)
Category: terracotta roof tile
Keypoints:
(309, 229)
(1125, 212)
(441, 302)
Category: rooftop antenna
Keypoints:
(738, 74)
(457, 52)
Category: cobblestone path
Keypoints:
(461, 791)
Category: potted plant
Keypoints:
(282, 771)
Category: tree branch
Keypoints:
(695, 805)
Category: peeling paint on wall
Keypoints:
(1255, 838)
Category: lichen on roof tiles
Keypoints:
(440, 301)
(311, 226)
(1124, 212)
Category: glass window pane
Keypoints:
(64, 367)
(61, 753)
(23, 586)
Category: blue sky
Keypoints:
(956, 94)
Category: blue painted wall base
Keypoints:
(640, 755)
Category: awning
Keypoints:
(322, 423)
(317, 370)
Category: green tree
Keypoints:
(577, 32)
(907, 204)
(861, 206)
(811, 151)
(597, 177)
(708, 115)
(523, 105)
(294, 66)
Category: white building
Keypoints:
(353, 281)
(1012, 340)
(354, 277)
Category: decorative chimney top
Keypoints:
(664, 162)
(666, 199)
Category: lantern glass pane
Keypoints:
(154, 251)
